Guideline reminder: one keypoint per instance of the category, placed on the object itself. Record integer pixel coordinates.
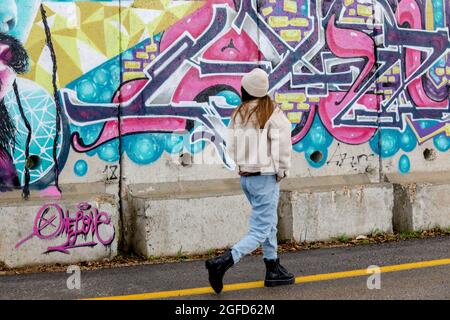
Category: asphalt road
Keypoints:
(412, 281)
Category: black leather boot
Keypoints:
(217, 268)
(276, 274)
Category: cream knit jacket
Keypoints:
(266, 150)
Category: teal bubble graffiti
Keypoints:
(392, 141)
(442, 142)
(404, 164)
(144, 149)
(317, 141)
(80, 168)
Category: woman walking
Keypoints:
(259, 141)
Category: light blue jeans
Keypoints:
(263, 193)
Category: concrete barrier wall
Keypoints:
(117, 93)
(68, 231)
(421, 206)
(332, 212)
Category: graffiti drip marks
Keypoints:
(52, 222)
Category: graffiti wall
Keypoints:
(53, 222)
(63, 231)
(92, 87)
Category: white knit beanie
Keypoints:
(256, 83)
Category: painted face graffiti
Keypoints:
(8, 15)
(51, 222)
(13, 60)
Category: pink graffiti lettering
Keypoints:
(52, 222)
(347, 43)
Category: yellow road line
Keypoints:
(260, 284)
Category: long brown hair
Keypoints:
(263, 111)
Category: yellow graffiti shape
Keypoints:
(87, 34)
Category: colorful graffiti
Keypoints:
(52, 222)
(168, 78)
(13, 61)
